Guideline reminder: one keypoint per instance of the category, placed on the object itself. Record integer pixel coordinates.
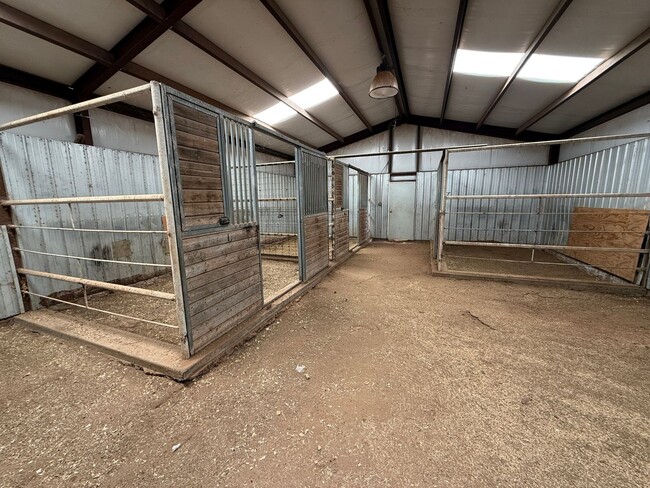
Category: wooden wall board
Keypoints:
(364, 229)
(223, 281)
(338, 185)
(341, 233)
(608, 227)
(316, 243)
(199, 162)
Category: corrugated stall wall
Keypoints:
(38, 168)
(482, 219)
(425, 205)
(280, 216)
(378, 206)
(620, 169)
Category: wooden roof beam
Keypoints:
(300, 41)
(458, 31)
(199, 40)
(136, 41)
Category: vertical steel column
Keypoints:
(443, 169)
(300, 206)
(167, 159)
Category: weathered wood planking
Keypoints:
(199, 165)
(608, 227)
(223, 280)
(341, 233)
(364, 230)
(316, 243)
(338, 185)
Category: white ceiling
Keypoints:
(341, 35)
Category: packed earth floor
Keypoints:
(381, 376)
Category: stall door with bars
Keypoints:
(314, 235)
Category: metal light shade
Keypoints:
(384, 84)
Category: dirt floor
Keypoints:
(463, 258)
(156, 309)
(286, 247)
(277, 275)
(408, 380)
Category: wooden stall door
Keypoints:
(219, 255)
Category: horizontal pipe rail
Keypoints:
(98, 284)
(548, 195)
(545, 263)
(81, 258)
(87, 307)
(274, 163)
(279, 199)
(405, 151)
(521, 213)
(77, 107)
(493, 229)
(626, 250)
(574, 140)
(147, 197)
(277, 234)
(74, 229)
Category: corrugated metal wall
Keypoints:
(273, 182)
(620, 169)
(425, 205)
(625, 168)
(39, 168)
(478, 220)
(378, 206)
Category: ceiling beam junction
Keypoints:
(539, 38)
(300, 41)
(603, 68)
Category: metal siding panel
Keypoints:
(39, 168)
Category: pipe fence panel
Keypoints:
(546, 208)
(36, 168)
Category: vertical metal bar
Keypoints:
(300, 195)
(444, 166)
(226, 185)
(167, 161)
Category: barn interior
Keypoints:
(344, 243)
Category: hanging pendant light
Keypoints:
(384, 84)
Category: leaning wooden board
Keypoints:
(608, 227)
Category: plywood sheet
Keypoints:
(608, 227)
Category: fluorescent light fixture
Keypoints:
(485, 63)
(309, 97)
(548, 68)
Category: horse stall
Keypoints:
(163, 253)
(582, 222)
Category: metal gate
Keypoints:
(314, 234)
